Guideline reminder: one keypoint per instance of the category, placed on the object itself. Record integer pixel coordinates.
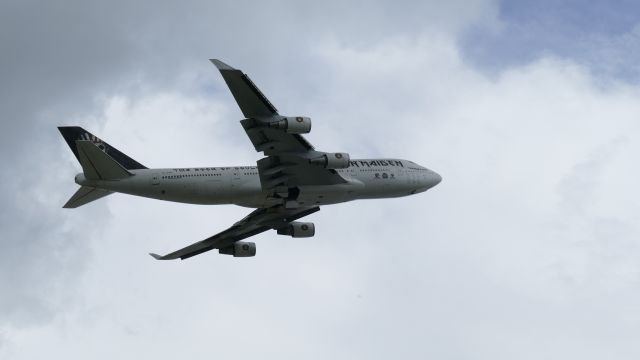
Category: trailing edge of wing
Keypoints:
(250, 99)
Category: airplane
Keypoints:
(291, 181)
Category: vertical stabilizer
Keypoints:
(97, 165)
(72, 134)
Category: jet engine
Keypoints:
(298, 229)
(293, 124)
(240, 249)
(332, 160)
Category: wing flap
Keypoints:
(273, 141)
(291, 171)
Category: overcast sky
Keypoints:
(528, 249)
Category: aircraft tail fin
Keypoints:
(72, 134)
(98, 165)
(85, 195)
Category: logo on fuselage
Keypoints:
(373, 163)
(95, 140)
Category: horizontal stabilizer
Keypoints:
(85, 195)
(97, 165)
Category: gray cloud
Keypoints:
(493, 263)
(60, 60)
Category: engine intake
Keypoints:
(332, 161)
(240, 249)
(298, 229)
(293, 124)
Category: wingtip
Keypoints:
(156, 256)
(220, 65)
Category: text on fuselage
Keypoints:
(360, 163)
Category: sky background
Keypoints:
(528, 249)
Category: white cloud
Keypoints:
(62, 60)
(527, 249)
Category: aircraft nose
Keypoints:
(435, 178)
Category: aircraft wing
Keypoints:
(256, 222)
(250, 99)
(287, 162)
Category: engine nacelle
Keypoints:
(298, 229)
(240, 249)
(293, 124)
(332, 161)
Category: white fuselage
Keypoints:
(240, 185)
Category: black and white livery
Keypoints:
(291, 181)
